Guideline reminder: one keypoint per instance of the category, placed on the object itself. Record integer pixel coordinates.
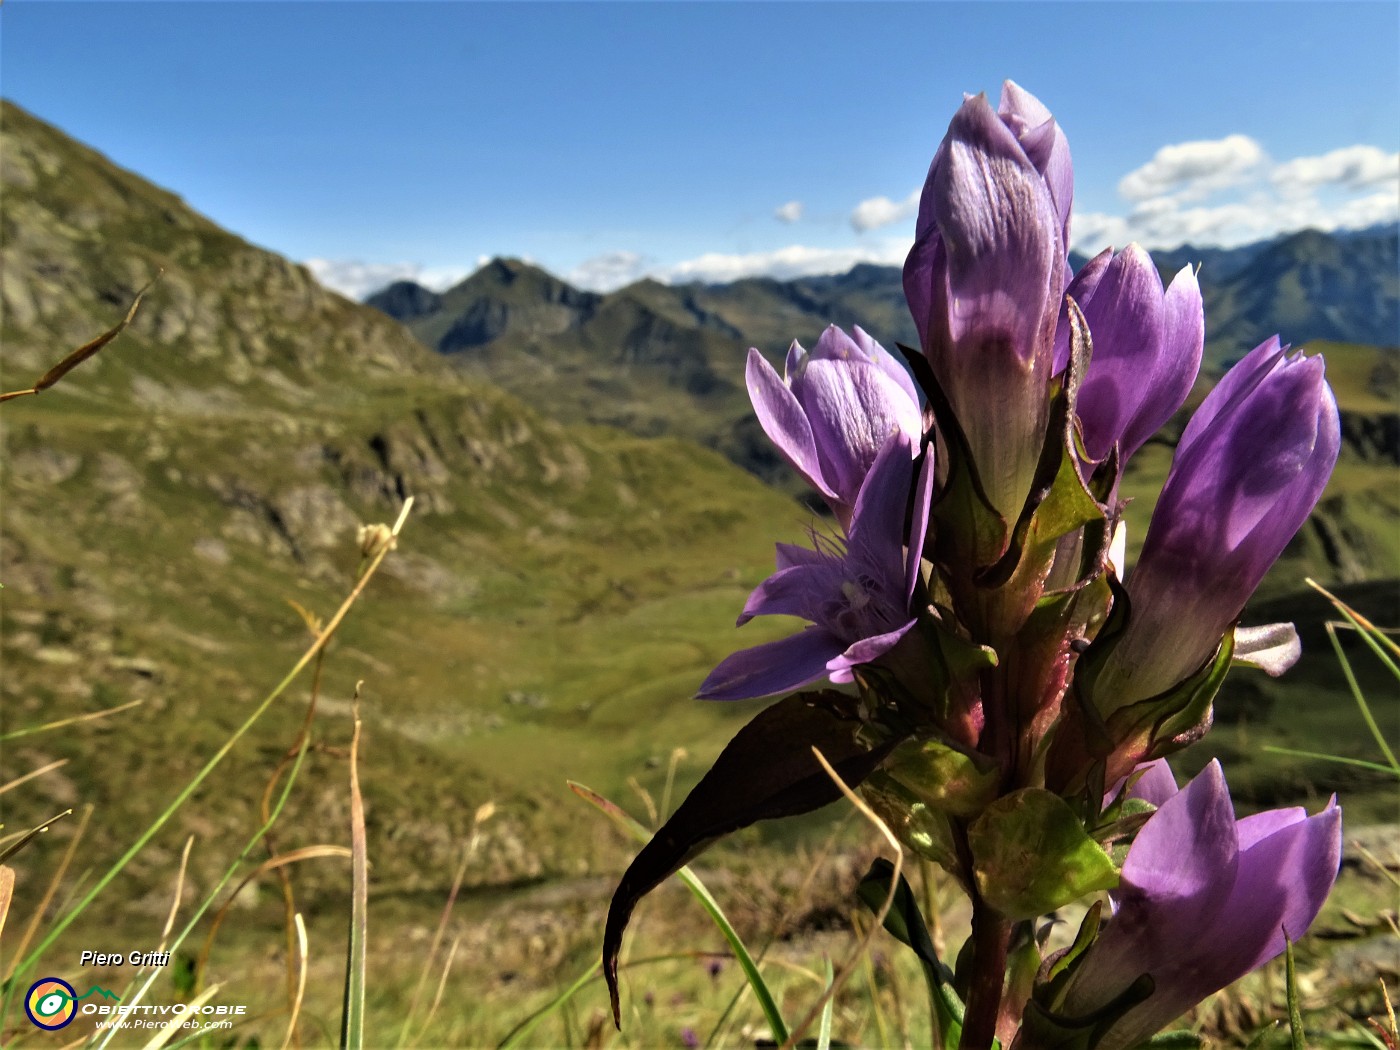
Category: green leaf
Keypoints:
(1031, 855)
(944, 778)
(905, 923)
(767, 771)
(928, 832)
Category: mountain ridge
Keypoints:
(656, 358)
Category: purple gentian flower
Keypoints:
(833, 409)
(1147, 348)
(1248, 471)
(857, 595)
(986, 277)
(1204, 900)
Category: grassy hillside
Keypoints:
(559, 594)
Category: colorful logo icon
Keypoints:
(51, 1003)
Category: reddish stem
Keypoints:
(991, 937)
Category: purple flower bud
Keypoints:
(689, 1039)
(1046, 147)
(833, 409)
(1147, 348)
(857, 595)
(1204, 900)
(986, 277)
(1249, 469)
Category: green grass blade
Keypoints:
(525, 1027)
(1260, 1036)
(24, 965)
(1319, 756)
(1374, 637)
(218, 887)
(761, 991)
(824, 1028)
(1295, 1011)
(1358, 695)
(352, 1023)
(1366, 1037)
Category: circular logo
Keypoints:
(51, 1003)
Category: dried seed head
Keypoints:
(376, 539)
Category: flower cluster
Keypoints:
(1012, 685)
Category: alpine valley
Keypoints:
(593, 502)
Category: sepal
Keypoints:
(964, 520)
(1099, 743)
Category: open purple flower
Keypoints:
(833, 409)
(1204, 900)
(857, 595)
(986, 277)
(1147, 348)
(1248, 471)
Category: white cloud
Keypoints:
(1368, 211)
(608, 272)
(1094, 231)
(789, 213)
(356, 280)
(795, 260)
(875, 212)
(1352, 168)
(1227, 192)
(1191, 171)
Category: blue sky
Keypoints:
(606, 141)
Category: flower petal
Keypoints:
(1000, 231)
(798, 590)
(1156, 785)
(1233, 387)
(1176, 879)
(772, 668)
(784, 421)
(1165, 381)
(1183, 857)
(1045, 144)
(853, 407)
(1125, 323)
(863, 652)
(878, 521)
(885, 361)
(790, 554)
